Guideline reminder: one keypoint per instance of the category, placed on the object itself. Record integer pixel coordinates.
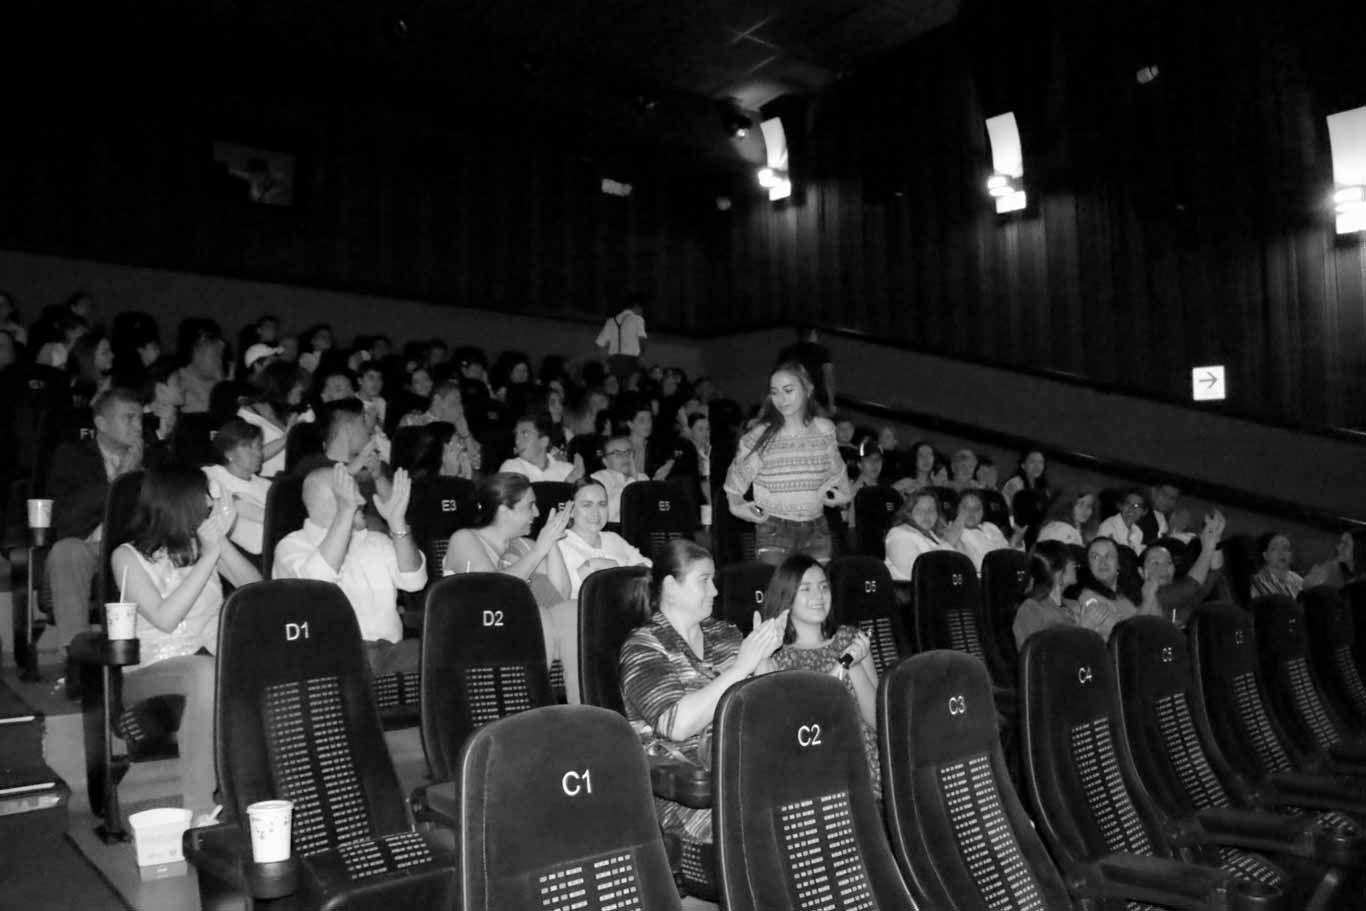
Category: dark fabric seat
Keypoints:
(862, 595)
(192, 439)
(483, 658)
(611, 604)
(295, 720)
(1005, 585)
(655, 512)
(1331, 627)
(1244, 724)
(1310, 720)
(740, 589)
(1097, 822)
(557, 815)
(874, 512)
(950, 613)
(1160, 718)
(549, 495)
(810, 837)
(439, 507)
(958, 829)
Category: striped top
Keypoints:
(788, 475)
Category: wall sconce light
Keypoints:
(1347, 143)
(1006, 184)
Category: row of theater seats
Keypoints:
(1136, 794)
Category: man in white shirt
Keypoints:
(531, 441)
(1123, 527)
(369, 566)
(622, 337)
(620, 460)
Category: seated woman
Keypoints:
(980, 538)
(1053, 571)
(507, 506)
(1345, 567)
(800, 589)
(1276, 577)
(916, 467)
(675, 667)
(237, 479)
(914, 534)
(586, 547)
(962, 470)
(433, 450)
(1180, 593)
(170, 568)
(1069, 520)
(275, 409)
(1030, 474)
(1104, 599)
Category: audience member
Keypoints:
(170, 568)
(1344, 568)
(1102, 602)
(1155, 522)
(1275, 577)
(676, 666)
(90, 364)
(619, 470)
(792, 462)
(985, 477)
(913, 533)
(586, 546)
(499, 543)
(446, 404)
(978, 538)
(868, 473)
(203, 368)
(623, 337)
(649, 459)
(1071, 520)
(1030, 474)
(9, 319)
(921, 460)
(370, 567)
(1180, 593)
(820, 368)
(1123, 526)
(962, 470)
(1053, 571)
(164, 398)
(430, 451)
(531, 437)
(274, 409)
(237, 479)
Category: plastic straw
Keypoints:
(123, 582)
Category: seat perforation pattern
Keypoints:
(1250, 867)
(398, 688)
(310, 751)
(822, 855)
(609, 882)
(1182, 743)
(1271, 754)
(880, 635)
(495, 692)
(1093, 754)
(963, 637)
(1350, 675)
(366, 857)
(985, 840)
(1309, 705)
(439, 548)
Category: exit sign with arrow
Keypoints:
(1207, 384)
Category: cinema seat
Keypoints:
(740, 589)
(653, 513)
(862, 595)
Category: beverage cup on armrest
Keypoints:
(120, 620)
(39, 519)
(271, 822)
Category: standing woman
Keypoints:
(172, 564)
(794, 465)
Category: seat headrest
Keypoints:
(860, 588)
(943, 700)
(1151, 658)
(289, 629)
(1280, 627)
(1227, 643)
(494, 610)
(944, 567)
(1329, 616)
(1066, 675)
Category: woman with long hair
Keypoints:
(587, 546)
(90, 363)
(170, 568)
(813, 641)
(499, 543)
(676, 666)
(1276, 577)
(793, 463)
(1053, 571)
(1071, 519)
(1030, 474)
(918, 466)
(914, 532)
(1348, 563)
(979, 537)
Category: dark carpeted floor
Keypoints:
(49, 874)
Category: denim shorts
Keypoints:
(776, 539)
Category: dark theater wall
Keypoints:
(1176, 224)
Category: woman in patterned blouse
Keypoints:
(675, 667)
(793, 463)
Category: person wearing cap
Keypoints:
(259, 355)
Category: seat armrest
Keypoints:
(1314, 791)
(681, 782)
(1170, 883)
(1352, 752)
(96, 650)
(436, 805)
(1256, 830)
(221, 854)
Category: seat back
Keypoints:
(1223, 648)
(611, 604)
(1355, 595)
(1005, 585)
(589, 448)
(653, 513)
(285, 513)
(810, 837)
(1071, 756)
(437, 509)
(861, 594)
(192, 440)
(957, 827)
(1332, 645)
(483, 658)
(874, 512)
(557, 814)
(120, 507)
(294, 717)
(949, 612)
(1161, 716)
(549, 495)
(1306, 715)
(1242, 556)
(740, 589)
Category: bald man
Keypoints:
(370, 567)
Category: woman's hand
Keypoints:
(213, 531)
(749, 511)
(763, 641)
(555, 526)
(858, 648)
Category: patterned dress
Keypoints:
(823, 660)
(657, 670)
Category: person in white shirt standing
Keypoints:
(622, 337)
(369, 566)
(531, 441)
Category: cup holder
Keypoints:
(272, 880)
(1339, 848)
(1255, 896)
